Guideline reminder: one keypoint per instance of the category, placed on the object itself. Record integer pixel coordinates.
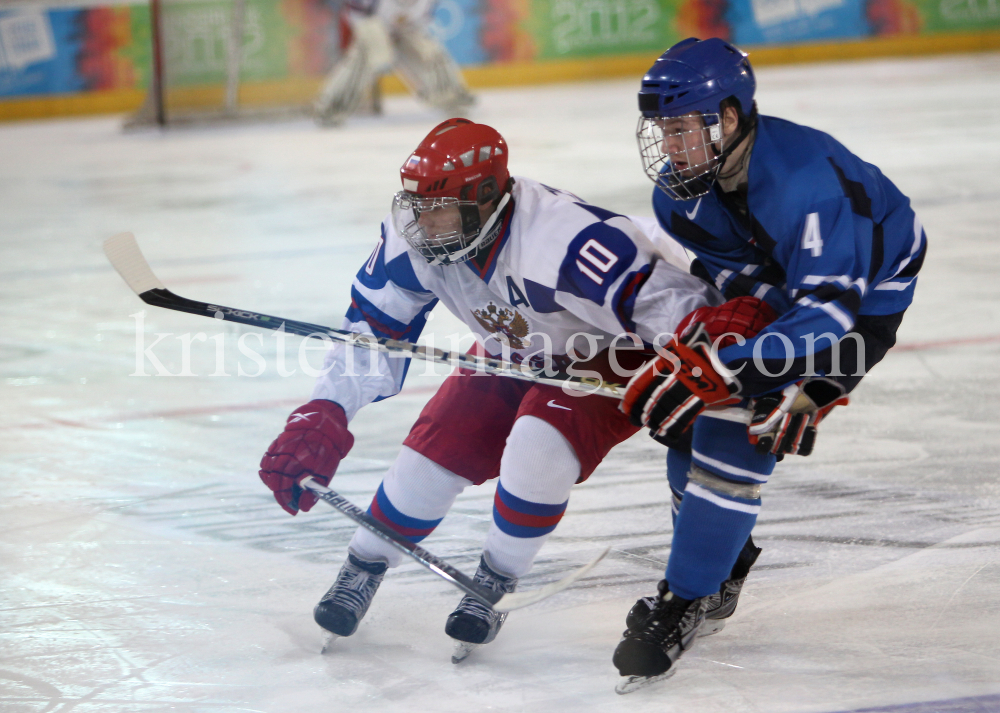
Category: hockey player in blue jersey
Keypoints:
(529, 269)
(787, 214)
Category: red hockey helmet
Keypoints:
(451, 182)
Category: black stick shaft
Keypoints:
(162, 297)
(435, 564)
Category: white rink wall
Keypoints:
(143, 567)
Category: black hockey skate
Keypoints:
(473, 623)
(719, 606)
(648, 653)
(344, 605)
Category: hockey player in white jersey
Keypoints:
(535, 273)
(387, 36)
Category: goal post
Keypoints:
(156, 81)
(213, 60)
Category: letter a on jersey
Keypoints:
(515, 296)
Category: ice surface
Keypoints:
(145, 568)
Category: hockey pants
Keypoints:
(537, 470)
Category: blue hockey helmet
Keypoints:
(683, 156)
(696, 75)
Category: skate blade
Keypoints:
(711, 626)
(328, 644)
(628, 684)
(462, 651)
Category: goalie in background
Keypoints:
(390, 36)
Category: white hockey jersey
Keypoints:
(561, 269)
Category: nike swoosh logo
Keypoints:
(553, 404)
(694, 211)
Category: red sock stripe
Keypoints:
(523, 519)
(377, 513)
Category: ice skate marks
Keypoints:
(630, 684)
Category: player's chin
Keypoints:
(689, 173)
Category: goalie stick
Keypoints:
(497, 600)
(123, 252)
(126, 257)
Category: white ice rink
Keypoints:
(145, 567)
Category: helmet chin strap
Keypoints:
(492, 225)
(745, 130)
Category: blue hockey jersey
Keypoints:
(825, 238)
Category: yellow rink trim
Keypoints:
(880, 47)
(108, 102)
(300, 91)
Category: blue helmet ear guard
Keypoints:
(693, 77)
(696, 75)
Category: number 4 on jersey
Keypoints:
(811, 238)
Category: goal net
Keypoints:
(232, 59)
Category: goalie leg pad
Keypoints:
(426, 67)
(344, 87)
(369, 55)
(372, 37)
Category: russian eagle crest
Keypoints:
(507, 325)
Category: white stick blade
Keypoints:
(123, 252)
(517, 600)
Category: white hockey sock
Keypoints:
(415, 495)
(537, 471)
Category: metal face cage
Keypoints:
(444, 230)
(683, 163)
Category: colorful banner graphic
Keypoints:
(61, 51)
(37, 51)
(571, 28)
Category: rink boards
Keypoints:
(91, 58)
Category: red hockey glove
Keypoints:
(785, 422)
(669, 392)
(743, 316)
(314, 441)
(667, 399)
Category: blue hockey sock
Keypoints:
(678, 466)
(720, 504)
(707, 539)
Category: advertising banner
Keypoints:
(38, 50)
(60, 51)
(94, 48)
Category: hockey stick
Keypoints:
(498, 600)
(123, 252)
